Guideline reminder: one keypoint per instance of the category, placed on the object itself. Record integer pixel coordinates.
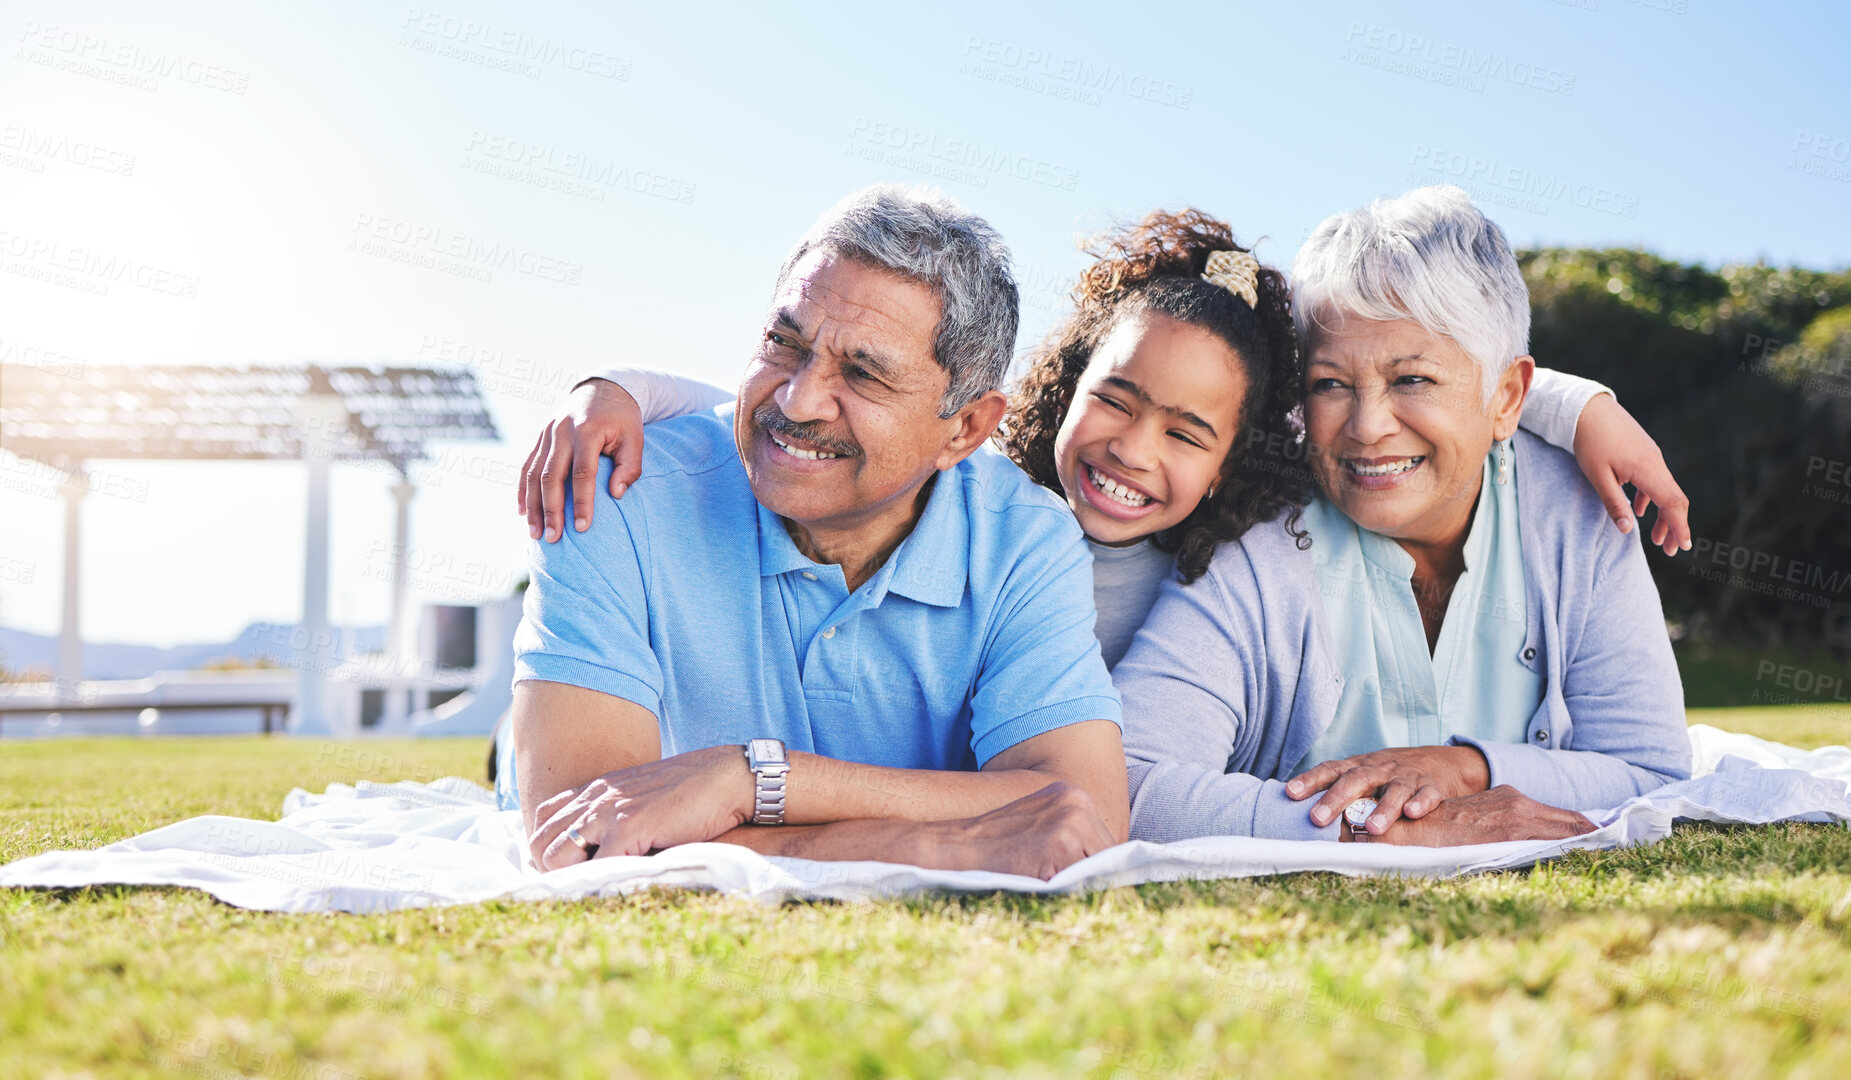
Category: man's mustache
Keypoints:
(772, 419)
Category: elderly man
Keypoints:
(831, 624)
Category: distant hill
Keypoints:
(21, 651)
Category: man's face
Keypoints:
(838, 414)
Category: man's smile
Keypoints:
(803, 454)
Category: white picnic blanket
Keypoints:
(381, 847)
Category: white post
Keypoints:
(313, 655)
(323, 418)
(401, 651)
(70, 636)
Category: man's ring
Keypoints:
(1357, 813)
(578, 838)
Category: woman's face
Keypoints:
(1152, 420)
(1397, 426)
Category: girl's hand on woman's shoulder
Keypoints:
(1613, 450)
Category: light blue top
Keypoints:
(1474, 682)
(1233, 678)
(690, 599)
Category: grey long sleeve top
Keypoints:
(1232, 678)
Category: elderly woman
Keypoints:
(1451, 644)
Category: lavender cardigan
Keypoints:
(1232, 678)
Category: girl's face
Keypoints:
(1152, 420)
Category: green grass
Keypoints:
(1720, 952)
(1796, 673)
(1795, 725)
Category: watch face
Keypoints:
(767, 750)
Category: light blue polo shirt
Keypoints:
(690, 599)
(1474, 683)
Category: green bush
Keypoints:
(1743, 374)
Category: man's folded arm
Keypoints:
(1039, 834)
(863, 839)
(567, 736)
(821, 790)
(587, 682)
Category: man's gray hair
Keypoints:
(1428, 256)
(923, 235)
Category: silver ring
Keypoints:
(1357, 813)
(578, 838)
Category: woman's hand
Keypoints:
(604, 419)
(1404, 780)
(1614, 450)
(1488, 817)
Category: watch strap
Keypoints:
(767, 789)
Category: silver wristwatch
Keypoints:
(765, 757)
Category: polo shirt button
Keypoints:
(1530, 653)
(831, 632)
(809, 575)
(1542, 736)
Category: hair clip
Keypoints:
(1237, 272)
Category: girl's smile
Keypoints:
(1151, 423)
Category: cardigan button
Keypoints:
(1529, 653)
(1542, 735)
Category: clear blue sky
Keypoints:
(293, 170)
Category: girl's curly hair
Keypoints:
(1156, 266)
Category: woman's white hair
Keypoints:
(1428, 256)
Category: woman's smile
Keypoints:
(1378, 473)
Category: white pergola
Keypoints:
(318, 413)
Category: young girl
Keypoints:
(1163, 409)
(1156, 408)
